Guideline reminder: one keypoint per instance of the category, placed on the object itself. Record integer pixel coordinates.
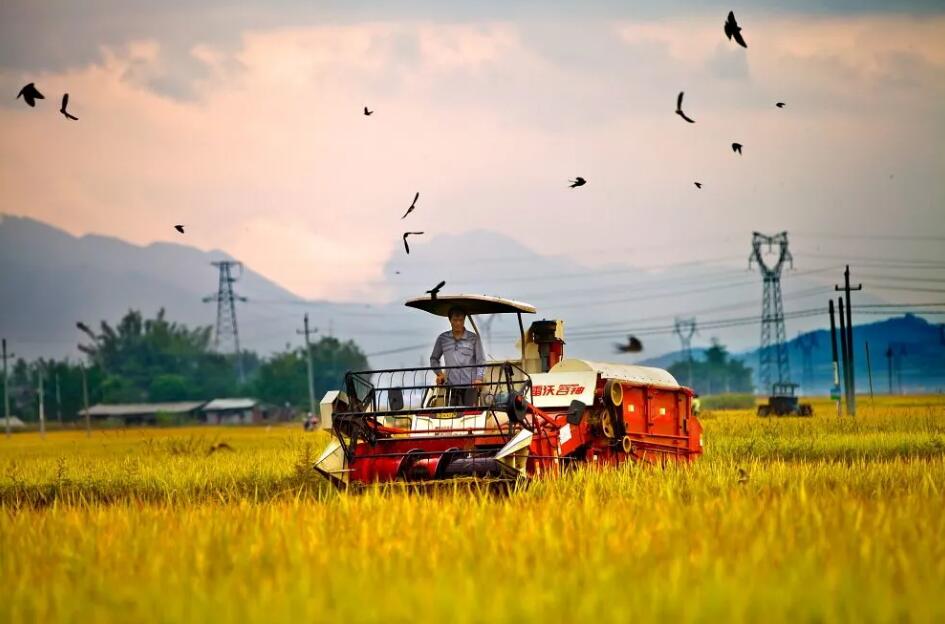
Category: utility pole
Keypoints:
(844, 352)
(85, 401)
(226, 299)
(852, 375)
(58, 401)
(6, 387)
(835, 390)
(901, 352)
(308, 361)
(42, 403)
(889, 366)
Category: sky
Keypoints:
(244, 122)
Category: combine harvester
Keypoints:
(534, 416)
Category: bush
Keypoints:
(728, 401)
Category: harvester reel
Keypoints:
(515, 408)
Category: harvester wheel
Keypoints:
(613, 393)
(607, 425)
(764, 410)
(627, 444)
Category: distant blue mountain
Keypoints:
(917, 361)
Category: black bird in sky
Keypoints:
(406, 234)
(737, 147)
(633, 345)
(679, 109)
(780, 104)
(368, 113)
(698, 184)
(578, 181)
(179, 228)
(436, 289)
(733, 30)
(413, 205)
(30, 94)
(62, 109)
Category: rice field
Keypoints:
(822, 519)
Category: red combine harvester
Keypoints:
(534, 416)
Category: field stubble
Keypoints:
(820, 519)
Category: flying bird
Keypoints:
(698, 184)
(780, 104)
(679, 108)
(633, 345)
(413, 205)
(368, 113)
(436, 289)
(733, 30)
(179, 228)
(406, 234)
(62, 109)
(578, 181)
(737, 147)
(30, 94)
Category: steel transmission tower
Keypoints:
(807, 343)
(226, 332)
(774, 366)
(685, 328)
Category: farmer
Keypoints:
(459, 347)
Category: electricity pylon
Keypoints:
(226, 331)
(773, 357)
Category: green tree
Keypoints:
(282, 378)
(158, 360)
(717, 373)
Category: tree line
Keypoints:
(156, 360)
(717, 373)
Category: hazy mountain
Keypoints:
(50, 279)
(915, 361)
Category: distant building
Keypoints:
(145, 413)
(240, 411)
(15, 423)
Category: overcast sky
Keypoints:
(245, 124)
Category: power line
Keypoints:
(900, 237)
(874, 285)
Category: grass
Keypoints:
(822, 519)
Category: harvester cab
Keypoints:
(534, 415)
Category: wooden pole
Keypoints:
(836, 364)
(844, 351)
(85, 400)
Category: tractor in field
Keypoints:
(784, 402)
(533, 416)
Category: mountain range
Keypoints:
(49, 279)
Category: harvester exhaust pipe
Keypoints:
(550, 347)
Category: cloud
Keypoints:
(728, 63)
(258, 145)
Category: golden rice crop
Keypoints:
(820, 519)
